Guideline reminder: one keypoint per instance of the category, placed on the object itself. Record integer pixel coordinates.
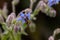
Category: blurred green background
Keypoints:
(45, 25)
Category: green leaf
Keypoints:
(5, 35)
(24, 26)
(17, 36)
(4, 26)
(23, 32)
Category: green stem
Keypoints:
(4, 36)
(36, 12)
(13, 7)
(18, 36)
(11, 36)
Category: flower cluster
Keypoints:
(24, 16)
(15, 26)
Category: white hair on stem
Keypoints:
(52, 13)
(13, 7)
(1, 17)
(31, 3)
(45, 1)
(5, 10)
(14, 2)
(28, 10)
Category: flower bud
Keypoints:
(10, 18)
(32, 27)
(52, 13)
(40, 5)
(5, 11)
(15, 2)
(1, 19)
(58, 39)
(56, 31)
(49, 11)
(51, 38)
(17, 28)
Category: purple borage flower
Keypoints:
(28, 15)
(52, 2)
(23, 16)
